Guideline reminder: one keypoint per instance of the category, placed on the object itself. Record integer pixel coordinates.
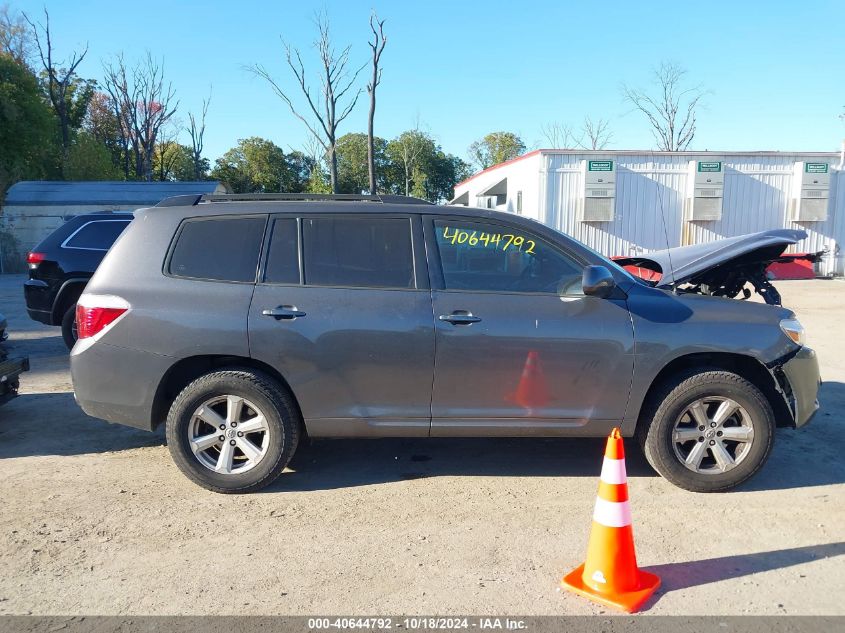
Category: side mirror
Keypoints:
(597, 282)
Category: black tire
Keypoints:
(69, 326)
(655, 431)
(271, 399)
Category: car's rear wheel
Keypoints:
(708, 430)
(69, 326)
(233, 430)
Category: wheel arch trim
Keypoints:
(763, 376)
(186, 370)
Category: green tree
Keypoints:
(103, 124)
(408, 153)
(27, 127)
(418, 166)
(174, 161)
(301, 168)
(318, 180)
(88, 159)
(255, 165)
(444, 171)
(495, 148)
(352, 168)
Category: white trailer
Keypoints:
(655, 200)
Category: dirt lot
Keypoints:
(97, 520)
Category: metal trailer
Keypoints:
(650, 197)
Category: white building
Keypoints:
(628, 202)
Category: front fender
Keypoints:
(669, 328)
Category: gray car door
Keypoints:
(343, 311)
(519, 348)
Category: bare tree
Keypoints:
(15, 37)
(597, 134)
(336, 81)
(60, 81)
(559, 135)
(377, 46)
(671, 111)
(143, 104)
(196, 130)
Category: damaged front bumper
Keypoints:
(799, 380)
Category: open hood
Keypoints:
(720, 268)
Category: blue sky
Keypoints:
(775, 70)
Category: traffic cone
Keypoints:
(610, 575)
(532, 392)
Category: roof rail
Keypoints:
(192, 200)
(180, 201)
(391, 199)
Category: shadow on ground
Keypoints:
(332, 464)
(53, 424)
(811, 455)
(677, 576)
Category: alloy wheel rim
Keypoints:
(228, 434)
(713, 435)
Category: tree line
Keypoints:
(56, 124)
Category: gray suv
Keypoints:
(246, 322)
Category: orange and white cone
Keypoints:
(610, 575)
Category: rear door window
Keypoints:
(96, 235)
(223, 249)
(364, 252)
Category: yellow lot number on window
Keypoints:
(488, 240)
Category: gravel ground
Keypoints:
(97, 520)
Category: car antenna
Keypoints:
(663, 217)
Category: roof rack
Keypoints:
(192, 200)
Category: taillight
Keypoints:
(33, 259)
(96, 312)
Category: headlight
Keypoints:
(793, 329)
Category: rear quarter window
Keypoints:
(96, 235)
(220, 249)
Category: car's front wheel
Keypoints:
(708, 431)
(233, 430)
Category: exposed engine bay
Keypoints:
(725, 268)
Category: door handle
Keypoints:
(288, 313)
(460, 317)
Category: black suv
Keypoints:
(63, 262)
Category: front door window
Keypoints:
(477, 256)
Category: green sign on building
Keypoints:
(710, 166)
(815, 168)
(600, 165)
